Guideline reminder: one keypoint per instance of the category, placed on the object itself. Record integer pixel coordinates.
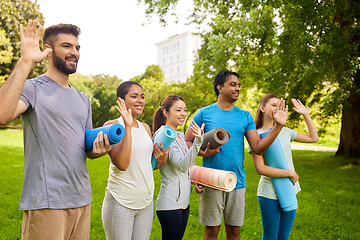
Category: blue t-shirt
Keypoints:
(231, 155)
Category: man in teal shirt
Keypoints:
(214, 204)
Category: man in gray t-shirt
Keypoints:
(56, 193)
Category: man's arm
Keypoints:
(10, 105)
(101, 146)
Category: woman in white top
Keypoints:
(277, 223)
(127, 211)
(172, 205)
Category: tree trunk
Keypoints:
(350, 125)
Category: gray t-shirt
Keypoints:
(55, 170)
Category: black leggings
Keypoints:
(173, 223)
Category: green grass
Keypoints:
(329, 205)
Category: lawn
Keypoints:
(329, 205)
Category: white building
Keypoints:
(176, 56)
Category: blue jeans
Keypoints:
(173, 223)
(276, 223)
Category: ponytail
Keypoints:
(158, 119)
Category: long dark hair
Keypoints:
(159, 117)
(259, 119)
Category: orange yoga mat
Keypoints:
(219, 179)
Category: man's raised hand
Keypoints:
(30, 49)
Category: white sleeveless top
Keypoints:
(134, 188)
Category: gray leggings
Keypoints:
(121, 223)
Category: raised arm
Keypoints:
(182, 162)
(312, 135)
(208, 152)
(10, 105)
(120, 153)
(259, 145)
(268, 171)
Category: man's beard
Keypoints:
(61, 65)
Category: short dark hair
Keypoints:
(52, 31)
(124, 87)
(221, 78)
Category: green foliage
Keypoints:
(12, 14)
(328, 203)
(156, 89)
(195, 96)
(103, 100)
(101, 89)
(5, 48)
(155, 92)
(82, 83)
(152, 71)
(297, 49)
(6, 53)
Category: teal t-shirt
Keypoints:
(231, 155)
(266, 187)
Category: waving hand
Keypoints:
(30, 49)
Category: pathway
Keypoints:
(312, 148)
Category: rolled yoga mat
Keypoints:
(166, 136)
(115, 133)
(283, 186)
(217, 137)
(218, 179)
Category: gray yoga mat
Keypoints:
(217, 137)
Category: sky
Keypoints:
(113, 39)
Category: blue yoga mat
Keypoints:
(283, 186)
(166, 136)
(115, 132)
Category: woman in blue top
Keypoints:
(276, 223)
(172, 205)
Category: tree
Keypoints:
(155, 90)
(5, 52)
(12, 14)
(305, 49)
(83, 83)
(103, 100)
(152, 71)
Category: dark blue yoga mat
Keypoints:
(115, 132)
(283, 186)
(166, 136)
